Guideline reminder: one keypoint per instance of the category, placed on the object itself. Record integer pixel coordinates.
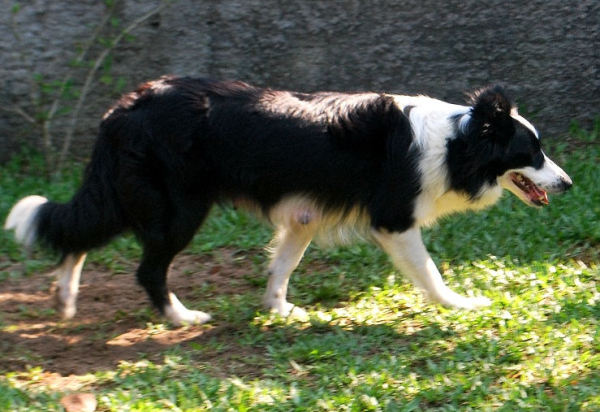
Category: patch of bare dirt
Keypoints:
(111, 324)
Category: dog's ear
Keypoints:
(490, 113)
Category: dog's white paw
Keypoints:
(287, 310)
(190, 317)
(67, 311)
(476, 302)
(468, 303)
(180, 315)
(454, 300)
(65, 303)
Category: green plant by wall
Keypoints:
(53, 98)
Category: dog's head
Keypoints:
(497, 146)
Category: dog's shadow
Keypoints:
(115, 323)
(87, 344)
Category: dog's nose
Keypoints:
(566, 183)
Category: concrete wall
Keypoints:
(547, 52)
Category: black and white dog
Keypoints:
(313, 164)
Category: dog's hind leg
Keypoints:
(408, 253)
(163, 235)
(67, 287)
(152, 275)
(288, 247)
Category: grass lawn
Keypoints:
(371, 343)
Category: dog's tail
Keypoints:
(90, 219)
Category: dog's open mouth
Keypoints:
(535, 195)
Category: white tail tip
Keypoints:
(21, 219)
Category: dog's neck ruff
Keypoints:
(433, 123)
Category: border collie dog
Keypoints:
(316, 165)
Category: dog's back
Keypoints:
(229, 140)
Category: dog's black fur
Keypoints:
(163, 157)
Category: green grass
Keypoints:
(372, 343)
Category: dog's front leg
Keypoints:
(408, 253)
(288, 248)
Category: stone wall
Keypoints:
(547, 52)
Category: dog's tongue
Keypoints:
(539, 195)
